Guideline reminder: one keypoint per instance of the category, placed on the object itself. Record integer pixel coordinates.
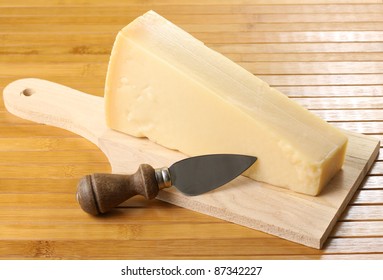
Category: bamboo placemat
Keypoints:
(327, 55)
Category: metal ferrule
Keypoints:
(163, 177)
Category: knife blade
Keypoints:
(98, 193)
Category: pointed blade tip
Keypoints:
(247, 162)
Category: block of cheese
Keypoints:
(164, 84)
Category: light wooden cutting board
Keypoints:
(296, 217)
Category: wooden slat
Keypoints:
(45, 59)
(196, 18)
(42, 200)
(360, 47)
(332, 91)
(70, 48)
(292, 68)
(42, 143)
(53, 157)
(309, 57)
(128, 249)
(139, 212)
(355, 229)
(205, 9)
(56, 69)
(139, 209)
(368, 197)
(369, 256)
(377, 168)
(196, 27)
(32, 131)
(56, 171)
(373, 182)
(354, 245)
(361, 127)
(37, 185)
(348, 115)
(281, 26)
(291, 37)
(321, 80)
(124, 231)
(365, 213)
(38, 3)
(341, 103)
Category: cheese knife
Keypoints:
(98, 193)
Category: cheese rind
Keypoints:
(165, 85)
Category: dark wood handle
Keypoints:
(98, 193)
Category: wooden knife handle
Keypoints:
(98, 193)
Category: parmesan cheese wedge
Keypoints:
(164, 84)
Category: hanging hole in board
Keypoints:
(27, 92)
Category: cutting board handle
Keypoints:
(49, 103)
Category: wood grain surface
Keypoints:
(327, 55)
